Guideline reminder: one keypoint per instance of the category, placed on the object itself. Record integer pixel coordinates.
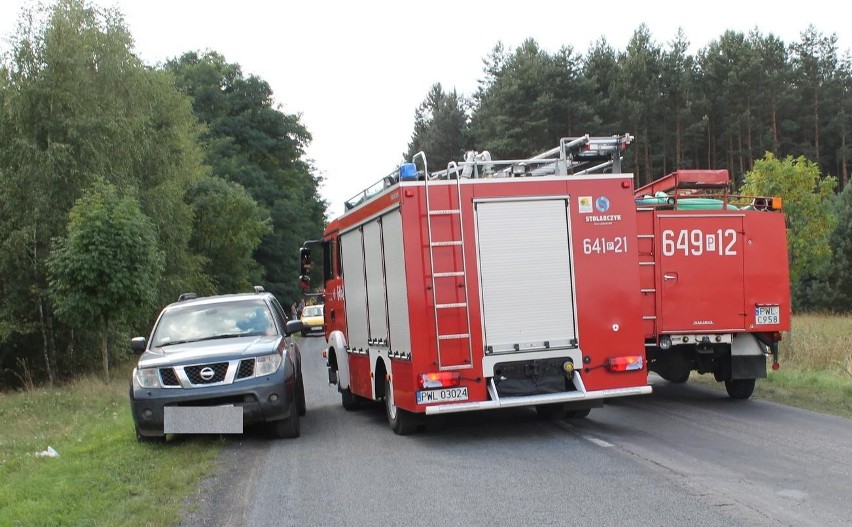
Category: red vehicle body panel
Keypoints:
(605, 279)
(707, 271)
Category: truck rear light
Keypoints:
(443, 379)
(627, 363)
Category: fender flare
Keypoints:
(337, 348)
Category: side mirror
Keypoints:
(305, 268)
(293, 326)
(138, 344)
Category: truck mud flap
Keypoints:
(748, 367)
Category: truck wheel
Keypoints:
(578, 414)
(550, 412)
(288, 428)
(675, 368)
(402, 422)
(350, 400)
(739, 388)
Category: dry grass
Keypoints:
(818, 343)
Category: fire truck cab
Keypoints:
(428, 278)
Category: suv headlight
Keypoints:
(148, 377)
(266, 365)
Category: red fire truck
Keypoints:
(715, 279)
(481, 287)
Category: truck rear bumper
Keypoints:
(531, 400)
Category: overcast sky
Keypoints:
(356, 71)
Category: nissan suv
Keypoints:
(215, 364)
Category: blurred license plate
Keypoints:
(767, 315)
(444, 395)
(203, 420)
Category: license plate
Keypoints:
(444, 395)
(767, 315)
(203, 420)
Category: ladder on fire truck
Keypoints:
(438, 278)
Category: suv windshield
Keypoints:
(209, 321)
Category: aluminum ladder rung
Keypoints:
(455, 217)
(444, 212)
(456, 336)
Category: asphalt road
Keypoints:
(685, 455)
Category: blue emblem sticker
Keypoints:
(602, 204)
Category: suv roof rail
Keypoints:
(187, 296)
(259, 289)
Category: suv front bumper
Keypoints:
(263, 399)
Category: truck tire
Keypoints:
(550, 412)
(675, 368)
(402, 422)
(578, 414)
(739, 388)
(350, 401)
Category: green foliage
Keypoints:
(806, 197)
(102, 475)
(228, 225)
(522, 106)
(829, 289)
(440, 129)
(107, 267)
(78, 106)
(250, 142)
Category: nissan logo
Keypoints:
(207, 373)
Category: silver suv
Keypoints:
(214, 364)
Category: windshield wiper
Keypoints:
(225, 336)
(173, 342)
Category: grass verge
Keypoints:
(102, 475)
(816, 367)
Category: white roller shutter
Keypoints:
(355, 290)
(525, 271)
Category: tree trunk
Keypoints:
(104, 349)
(775, 131)
(816, 125)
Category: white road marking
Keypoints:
(595, 440)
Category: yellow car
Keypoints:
(312, 320)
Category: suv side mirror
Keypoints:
(137, 344)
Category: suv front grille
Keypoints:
(168, 376)
(206, 373)
(246, 369)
